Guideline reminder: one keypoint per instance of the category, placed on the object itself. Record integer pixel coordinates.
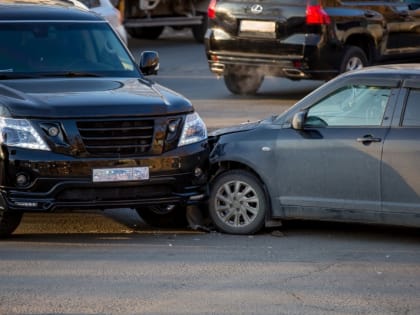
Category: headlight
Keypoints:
(194, 130)
(20, 133)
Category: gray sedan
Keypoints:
(349, 151)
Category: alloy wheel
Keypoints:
(237, 203)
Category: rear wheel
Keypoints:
(237, 203)
(9, 221)
(354, 58)
(166, 216)
(245, 83)
(145, 32)
(200, 30)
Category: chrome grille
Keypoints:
(122, 137)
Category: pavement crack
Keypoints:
(319, 269)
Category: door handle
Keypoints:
(368, 139)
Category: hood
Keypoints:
(238, 128)
(89, 97)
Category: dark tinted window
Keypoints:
(412, 110)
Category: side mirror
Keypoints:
(298, 121)
(149, 62)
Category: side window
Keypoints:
(412, 110)
(351, 106)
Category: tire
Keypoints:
(199, 31)
(160, 216)
(243, 84)
(145, 32)
(354, 58)
(227, 207)
(9, 221)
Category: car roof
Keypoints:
(38, 10)
(398, 71)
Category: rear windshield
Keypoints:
(50, 47)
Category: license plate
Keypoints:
(119, 174)
(258, 26)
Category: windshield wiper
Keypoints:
(71, 74)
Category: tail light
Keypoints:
(315, 14)
(211, 12)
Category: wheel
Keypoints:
(165, 216)
(354, 58)
(246, 83)
(145, 32)
(9, 221)
(237, 203)
(200, 30)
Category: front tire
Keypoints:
(9, 221)
(243, 82)
(354, 58)
(237, 203)
(164, 216)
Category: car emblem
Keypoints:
(257, 8)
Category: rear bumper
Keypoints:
(301, 57)
(58, 182)
(220, 61)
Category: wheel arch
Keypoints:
(227, 165)
(364, 42)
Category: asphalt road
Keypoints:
(112, 263)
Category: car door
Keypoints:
(334, 163)
(401, 156)
(402, 24)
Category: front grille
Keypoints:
(122, 137)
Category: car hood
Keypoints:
(233, 129)
(89, 97)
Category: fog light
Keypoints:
(198, 172)
(22, 179)
(173, 126)
(53, 131)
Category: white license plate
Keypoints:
(100, 175)
(258, 26)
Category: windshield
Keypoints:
(38, 48)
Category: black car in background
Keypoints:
(307, 39)
(349, 151)
(82, 128)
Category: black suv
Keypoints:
(82, 128)
(306, 39)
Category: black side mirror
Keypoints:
(298, 121)
(149, 62)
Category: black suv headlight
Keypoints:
(20, 133)
(194, 130)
